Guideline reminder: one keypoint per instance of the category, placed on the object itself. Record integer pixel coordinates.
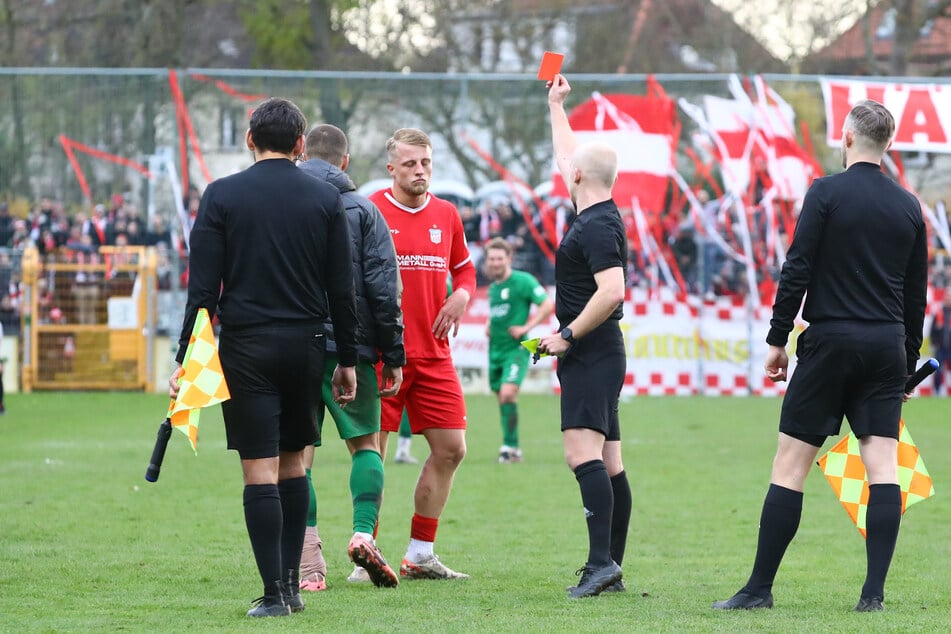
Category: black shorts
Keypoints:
(274, 375)
(591, 375)
(850, 369)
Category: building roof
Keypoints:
(849, 54)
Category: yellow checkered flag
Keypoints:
(202, 382)
(843, 467)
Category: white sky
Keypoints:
(794, 27)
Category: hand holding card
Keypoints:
(550, 66)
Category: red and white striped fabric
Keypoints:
(729, 122)
(790, 168)
(641, 129)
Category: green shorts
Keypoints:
(509, 366)
(362, 416)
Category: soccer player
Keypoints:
(430, 247)
(271, 249)
(379, 336)
(512, 294)
(860, 257)
(589, 291)
(404, 443)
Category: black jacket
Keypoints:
(375, 272)
(860, 253)
(278, 242)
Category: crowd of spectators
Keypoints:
(702, 250)
(77, 296)
(698, 249)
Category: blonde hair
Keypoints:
(409, 136)
(504, 245)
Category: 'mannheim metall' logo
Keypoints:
(435, 234)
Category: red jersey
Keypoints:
(430, 246)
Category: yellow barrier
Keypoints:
(88, 320)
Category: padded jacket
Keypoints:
(375, 274)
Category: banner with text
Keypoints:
(922, 111)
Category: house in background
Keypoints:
(644, 36)
(885, 42)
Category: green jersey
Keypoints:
(510, 303)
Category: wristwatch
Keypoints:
(568, 336)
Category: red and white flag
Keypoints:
(790, 167)
(641, 129)
(726, 127)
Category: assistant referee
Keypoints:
(860, 256)
(274, 243)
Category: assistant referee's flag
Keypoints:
(843, 468)
(202, 383)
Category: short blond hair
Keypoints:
(505, 245)
(409, 136)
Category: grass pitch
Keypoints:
(87, 545)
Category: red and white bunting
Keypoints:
(640, 128)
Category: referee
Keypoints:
(860, 256)
(589, 290)
(274, 243)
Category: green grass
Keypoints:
(87, 545)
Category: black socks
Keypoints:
(598, 500)
(621, 518)
(778, 524)
(265, 520)
(882, 520)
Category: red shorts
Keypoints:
(431, 394)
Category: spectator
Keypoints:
(6, 225)
(941, 342)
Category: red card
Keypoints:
(550, 66)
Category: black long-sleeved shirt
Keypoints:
(859, 254)
(275, 243)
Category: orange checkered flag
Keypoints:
(201, 384)
(843, 467)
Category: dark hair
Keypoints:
(327, 142)
(276, 125)
(873, 121)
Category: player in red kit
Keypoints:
(431, 248)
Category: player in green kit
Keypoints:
(511, 297)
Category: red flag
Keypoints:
(790, 167)
(641, 129)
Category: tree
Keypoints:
(12, 13)
(791, 30)
(309, 35)
(910, 18)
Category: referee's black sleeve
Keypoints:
(797, 270)
(915, 298)
(206, 265)
(340, 287)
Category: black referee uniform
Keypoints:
(591, 372)
(274, 242)
(860, 256)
